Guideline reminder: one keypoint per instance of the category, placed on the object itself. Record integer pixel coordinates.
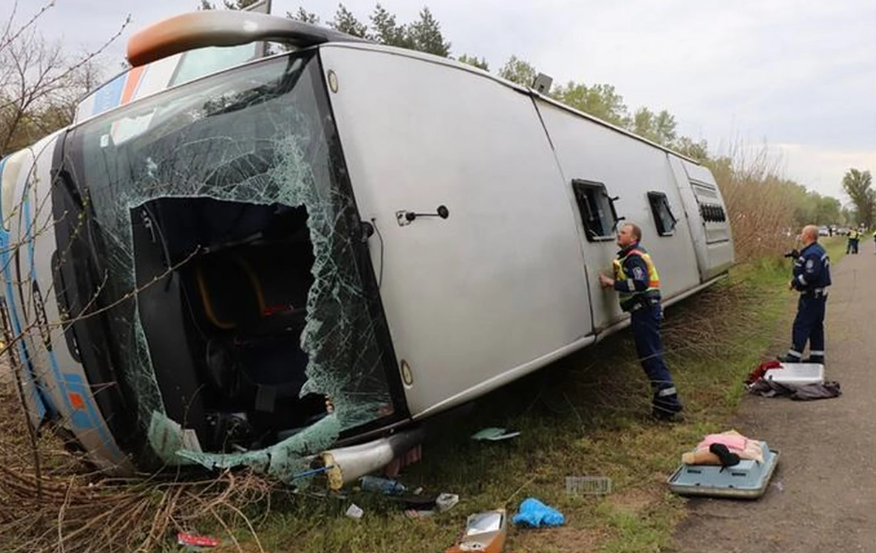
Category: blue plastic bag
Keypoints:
(536, 514)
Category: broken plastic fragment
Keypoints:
(194, 540)
(446, 501)
(494, 434)
(354, 511)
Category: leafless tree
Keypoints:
(40, 83)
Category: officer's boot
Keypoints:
(666, 406)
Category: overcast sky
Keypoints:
(798, 76)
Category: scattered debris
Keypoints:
(383, 485)
(494, 434)
(536, 514)
(484, 532)
(444, 502)
(354, 511)
(195, 540)
(588, 485)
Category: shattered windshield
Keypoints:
(236, 182)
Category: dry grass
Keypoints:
(70, 509)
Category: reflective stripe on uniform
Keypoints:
(620, 274)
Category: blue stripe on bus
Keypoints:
(79, 419)
(109, 95)
(6, 260)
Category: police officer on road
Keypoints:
(811, 278)
(854, 237)
(638, 286)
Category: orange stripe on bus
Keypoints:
(131, 83)
(76, 400)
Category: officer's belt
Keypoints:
(814, 293)
(643, 302)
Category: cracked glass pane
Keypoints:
(231, 275)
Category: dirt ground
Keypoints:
(822, 497)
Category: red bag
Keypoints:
(758, 373)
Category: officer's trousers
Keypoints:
(809, 326)
(645, 324)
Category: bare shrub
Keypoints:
(760, 202)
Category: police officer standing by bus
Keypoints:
(811, 277)
(638, 286)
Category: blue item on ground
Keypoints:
(536, 514)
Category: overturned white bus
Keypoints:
(304, 256)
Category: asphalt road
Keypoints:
(822, 497)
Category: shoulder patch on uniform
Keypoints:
(810, 263)
(638, 273)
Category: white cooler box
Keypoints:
(796, 373)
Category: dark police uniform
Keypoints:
(811, 279)
(638, 287)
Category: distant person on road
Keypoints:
(874, 241)
(638, 286)
(854, 238)
(811, 277)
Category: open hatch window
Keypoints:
(663, 217)
(597, 210)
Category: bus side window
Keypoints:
(597, 210)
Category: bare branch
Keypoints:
(6, 39)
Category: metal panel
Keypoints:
(496, 289)
(716, 246)
(629, 169)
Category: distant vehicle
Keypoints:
(296, 261)
(823, 231)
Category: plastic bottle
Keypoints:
(384, 485)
